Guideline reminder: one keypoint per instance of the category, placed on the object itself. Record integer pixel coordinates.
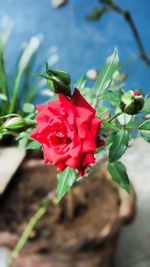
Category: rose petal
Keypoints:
(89, 143)
(68, 131)
(88, 159)
(66, 104)
(61, 166)
(75, 152)
(83, 109)
(40, 107)
(95, 125)
(46, 153)
(58, 157)
(72, 162)
(41, 133)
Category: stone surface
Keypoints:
(134, 243)
(10, 159)
(4, 253)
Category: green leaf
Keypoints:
(34, 145)
(119, 145)
(65, 179)
(123, 119)
(28, 108)
(28, 53)
(145, 130)
(103, 112)
(145, 135)
(26, 56)
(101, 109)
(3, 78)
(110, 125)
(112, 98)
(23, 138)
(80, 84)
(88, 95)
(23, 143)
(135, 122)
(145, 125)
(119, 174)
(105, 75)
(146, 107)
(98, 151)
(4, 37)
(108, 142)
(97, 12)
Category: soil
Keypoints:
(79, 224)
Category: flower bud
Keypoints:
(18, 123)
(132, 102)
(59, 81)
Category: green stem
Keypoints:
(29, 122)
(33, 221)
(9, 115)
(95, 102)
(115, 116)
(15, 91)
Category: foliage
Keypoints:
(121, 114)
(119, 174)
(106, 95)
(14, 94)
(66, 179)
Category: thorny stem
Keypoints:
(33, 221)
(127, 16)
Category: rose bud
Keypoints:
(59, 81)
(16, 124)
(132, 102)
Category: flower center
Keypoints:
(58, 134)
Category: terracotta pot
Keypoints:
(82, 231)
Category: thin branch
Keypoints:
(36, 217)
(127, 16)
(115, 116)
(33, 221)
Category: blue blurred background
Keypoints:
(79, 45)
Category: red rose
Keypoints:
(68, 130)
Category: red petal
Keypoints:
(61, 166)
(72, 162)
(75, 152)
(58, 157)
(95, 125)
(89, 144)
(84, 110)
(67, 106)
(40, 107)
(88, 159)
(41, 133)
(46, 153)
